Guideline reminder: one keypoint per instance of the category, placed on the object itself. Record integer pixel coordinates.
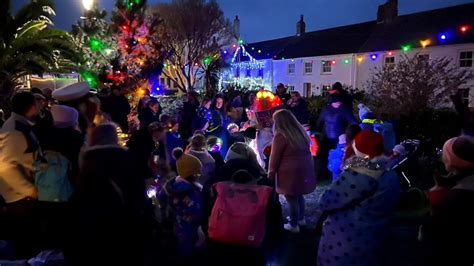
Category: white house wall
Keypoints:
(367, 67)
(340, 71)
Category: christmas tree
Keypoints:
(126, 52)
(95, 41)
(138, 38)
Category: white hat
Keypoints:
(72, 92)
(64, 116)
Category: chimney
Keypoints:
(301, 27)
(388, 12)
(237, 27)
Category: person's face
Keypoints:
(33, 111)
(336, 104)
(280, 89)
(219, 103)
(158, 135)
(155, 108)
(294, 97)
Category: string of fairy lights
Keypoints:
(252, 63)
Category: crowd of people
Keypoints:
(214, 173)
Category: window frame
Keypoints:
(292, 67)
(325, 65)
(466, 60)
(308, 65)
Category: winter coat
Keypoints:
(146, 117)
(68, 142)
(18, 152)
(208, 163)
(335, 160)
(300, 111)
(450, 231)
(119, 111)
(334, 121)
(173, 140)
(185, 200)
(292, 167)
(142, 147)
(359, 205)
(188, 114)
(218, 158)
(108, 206)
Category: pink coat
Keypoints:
(292, 167)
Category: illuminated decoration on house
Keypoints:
(464, 28)
(390, 53)
(374, 57)
(406, 48)
(346, 61)
(360, 59)
(425, 43)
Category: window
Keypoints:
(248, 73)
(308, 67)
(465, 59)
(326, 67)
(260, 73)
(307, 90)
(390, 60)
(424, 58)
(162, 81)
(291, 87)
(291, 69)
(464, 95)
(237, 72)
(169, 83)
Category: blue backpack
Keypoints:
(52, 177)
(383, 128)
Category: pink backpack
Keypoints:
(239, 214)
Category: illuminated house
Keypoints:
(310, 62)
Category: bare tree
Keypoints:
(414, 84)
(194, 29)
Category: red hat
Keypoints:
(368, 144)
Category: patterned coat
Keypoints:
(359, 205)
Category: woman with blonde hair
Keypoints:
(291, 165)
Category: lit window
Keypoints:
(326, 67)
(260, 73)
(291, 68)
(237, 72)
(308, 67)
(248, 73)
(465, 59)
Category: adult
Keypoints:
(119, 108)
(450, 229)
(188, 114)
(65, 137)
(347, 100)
(147, 144)
(151, 113)
(19, 149)
(298, 106)
(291, 165)
(108, 204)
(334, 120)
(359, 205)
(282, 93)
(218, 124)
(143, 101)
(203, 116)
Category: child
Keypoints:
(336, 157)
(198, 149)
(184, 193)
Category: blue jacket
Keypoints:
(335, 121)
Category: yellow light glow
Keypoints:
(425, 43)
(87, 4)
(360, 59)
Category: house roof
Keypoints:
(373, 36)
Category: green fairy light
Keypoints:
(90, 78)
(406, 48)
(207, 60)
(96, 45)
(346, 61)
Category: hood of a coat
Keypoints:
(374, 168)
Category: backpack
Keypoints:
(239, 214)
(52, 177)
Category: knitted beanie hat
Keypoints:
(186, 165)
(368, 144)
(458, 153)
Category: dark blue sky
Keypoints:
(269, 19)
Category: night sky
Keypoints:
(269, 19)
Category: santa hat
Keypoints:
(368, 144)
(72, 92)
(458, 155)
(64, 116)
